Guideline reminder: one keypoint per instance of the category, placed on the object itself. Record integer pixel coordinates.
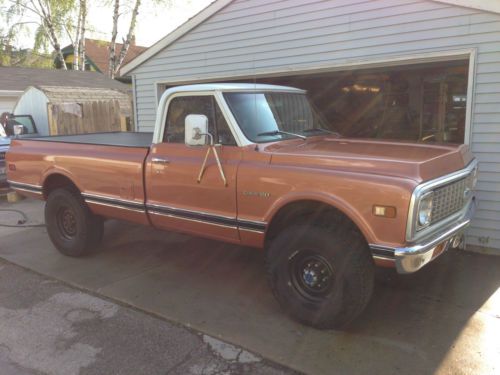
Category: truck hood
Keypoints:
(419, 162)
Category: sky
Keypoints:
(155, 20)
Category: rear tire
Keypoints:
(72, 228)
(322, 277)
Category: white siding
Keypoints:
(7, 103)
(252, 36)
(34, 102)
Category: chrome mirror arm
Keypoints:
(217, 159)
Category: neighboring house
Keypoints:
(8, 98)
(402, 69)
(15, 81)
(97, 55)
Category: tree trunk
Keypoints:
(83, 7)
(49, 26)
(130, 35)
(112, 45)
(76, 42)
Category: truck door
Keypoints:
(175, 198)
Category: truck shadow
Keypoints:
(420, 320)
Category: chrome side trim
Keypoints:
(252, 230)
(411, 234)
(207, 218)
(380, 257)
(27, 188)
(113, 200)
(180, 210)
(25, 185)
(100, 203)
(382, 251)
(192, 220)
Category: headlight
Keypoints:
(425, 210)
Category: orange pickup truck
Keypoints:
(257, 165)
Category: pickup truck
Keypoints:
(257, 165)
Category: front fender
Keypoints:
(327, 199)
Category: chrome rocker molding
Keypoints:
(28, 188)
(177, 213)
(412, 258)
(114, 203)
(207, 218)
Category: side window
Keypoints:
(180, 107)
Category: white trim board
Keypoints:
(174, 35)
(486, 5)
(10, 93)
(214, 7)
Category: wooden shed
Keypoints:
(76, 110)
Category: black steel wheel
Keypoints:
(312, 274)
(321, 276)
(72, 228)
(66, 222)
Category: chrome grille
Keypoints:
(448, 199)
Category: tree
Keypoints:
(54, 16)
(55, 19)
(79, 40)
(116, 61)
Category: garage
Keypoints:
(425, 71)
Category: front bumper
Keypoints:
(413, 257)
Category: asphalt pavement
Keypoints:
(47, 327)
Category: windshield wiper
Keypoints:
(277, 132)
(311, 130)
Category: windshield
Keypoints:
(272, 112)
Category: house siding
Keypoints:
(252, 36)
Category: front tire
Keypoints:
(72, 228)
(322, 277)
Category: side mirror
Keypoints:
(18, 130)
(196, 129)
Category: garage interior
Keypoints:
(421, 102)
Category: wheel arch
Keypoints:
(306, 206)
(55, 180)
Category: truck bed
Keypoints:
(124, 139)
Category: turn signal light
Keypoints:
(384, 211)
(12, 167)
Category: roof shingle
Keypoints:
(12, 78)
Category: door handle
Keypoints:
(159, 161)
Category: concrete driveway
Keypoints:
(444, 319)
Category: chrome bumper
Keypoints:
(413, 257)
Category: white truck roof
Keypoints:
(233, 87)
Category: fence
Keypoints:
(86, 117)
